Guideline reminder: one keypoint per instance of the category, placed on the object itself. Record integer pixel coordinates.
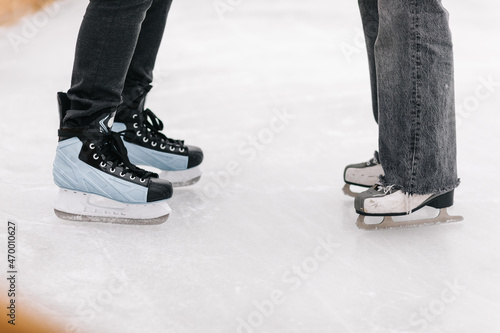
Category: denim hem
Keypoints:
(419, 191)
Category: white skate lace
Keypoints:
(408, 198)
(389, 189)
(386, 189)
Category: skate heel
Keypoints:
(443, 201)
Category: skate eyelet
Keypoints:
(162, 146)
(122, 174)
(145, 139)
(142, 180)
(136, 125)
(154, 144)
(181, 150)
(134, 116)
(138, 133)
(132, 177)
(172, 148)
(112, 170)
(95, 156)
(102, 164)
(92, 146)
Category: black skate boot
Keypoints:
(147, 146)
(96, 179)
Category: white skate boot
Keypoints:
(362, 174)
(97, 181)
(384, 201)
(148, 147)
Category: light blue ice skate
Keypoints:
(97, 181)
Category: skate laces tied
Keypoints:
(153, 126)
(113, 149)
(390, 189)
(386, 189)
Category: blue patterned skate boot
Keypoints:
(97, 181)
(148, 147)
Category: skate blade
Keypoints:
(347, 191)
(182, 177)
(106, 219)
(186, 183)
(389, 223)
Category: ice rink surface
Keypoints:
(277, 95)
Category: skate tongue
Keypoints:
(116, 152)
(106, 122)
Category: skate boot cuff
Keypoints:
(134, 100)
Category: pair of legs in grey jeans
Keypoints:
(411, 71)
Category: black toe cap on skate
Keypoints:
(195, 156)
(359, 201)
(159, 189)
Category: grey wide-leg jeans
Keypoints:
(115, 55)
(410, 56)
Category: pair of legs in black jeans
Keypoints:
(115, 55)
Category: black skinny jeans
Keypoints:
(115, 55)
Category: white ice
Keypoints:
(231, 244)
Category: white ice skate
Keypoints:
(364, 174)
(97, 181)
(386, 202)
(148, 147)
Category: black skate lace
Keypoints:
(152, 126)
(113, 150)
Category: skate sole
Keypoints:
(88, 207)
(103, 219)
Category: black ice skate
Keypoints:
(364, 174)
(386, 202)
(97, 181)
(148, 147)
